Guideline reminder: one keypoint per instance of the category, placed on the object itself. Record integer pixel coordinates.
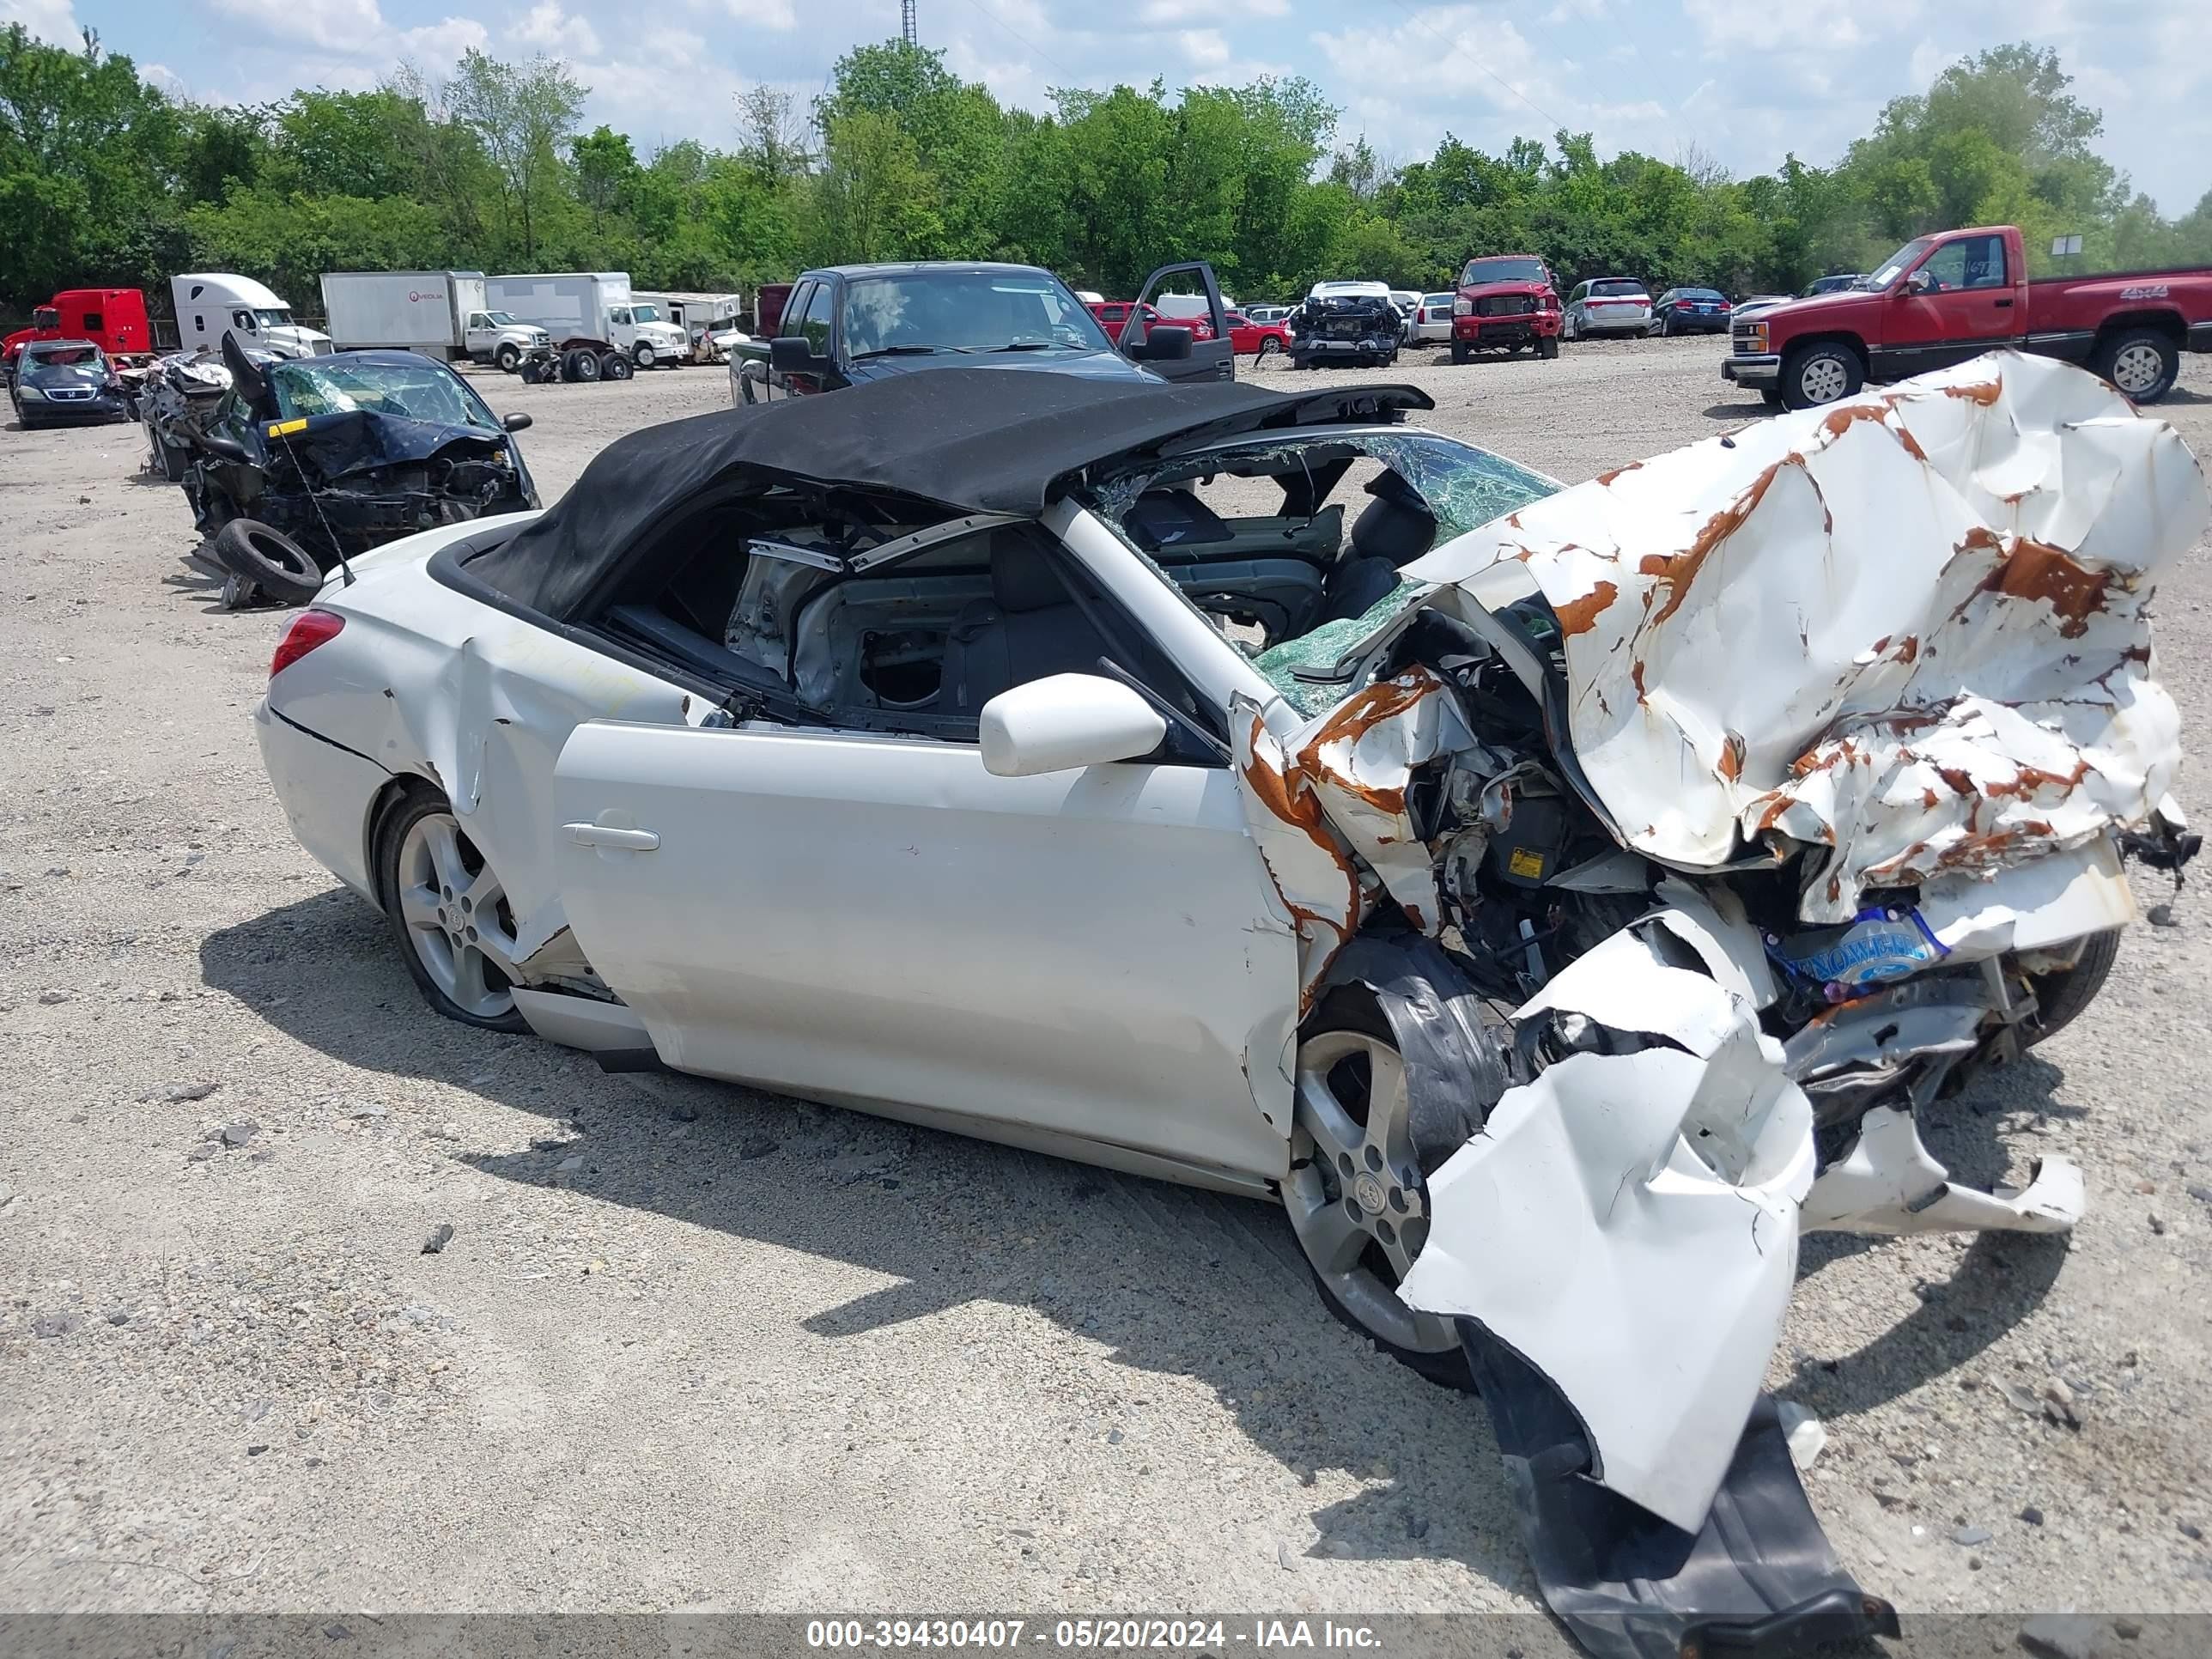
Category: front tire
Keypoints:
(1822, 374)
(507, 357)
(2143, 362)
(644, 354)
(2060, 997)
(1548, 346)
(450, 912)
(1459, 351)
(1357, 1197)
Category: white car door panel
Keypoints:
(877, 918)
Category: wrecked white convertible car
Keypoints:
(1558, 898)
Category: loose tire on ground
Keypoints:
(268, 559)
(2144, 362)
(1822, 372)
(417, 837)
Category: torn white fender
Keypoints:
(1891, 1184)
(1911, 627)
(1628, 1223)
(1335, 789)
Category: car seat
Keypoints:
(1028, 629)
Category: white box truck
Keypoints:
(213, 303)
(443, 313)
(581, 309)
(708, 322)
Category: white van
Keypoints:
(213, 303)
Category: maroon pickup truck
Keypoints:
(1941, 299)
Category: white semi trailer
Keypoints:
(443, 313)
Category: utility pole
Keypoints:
(906, 22)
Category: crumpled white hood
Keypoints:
(1912, 626)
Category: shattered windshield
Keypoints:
(71, 356)
(1292, 546)
(337, 386)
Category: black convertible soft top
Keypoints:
(962, 439)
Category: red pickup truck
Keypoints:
(1505, 300)
(113, 318)
(1940, 300)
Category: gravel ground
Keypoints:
(749, 1353)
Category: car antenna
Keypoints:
(345, 570)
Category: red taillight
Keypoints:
(309, 629)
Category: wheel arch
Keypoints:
(396, 790)
(2163, 319)
(1840, 337)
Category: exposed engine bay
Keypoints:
(1347, 324)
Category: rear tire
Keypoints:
(1270, 347)
(1821, 374)
(1355, 1273)
(2143, 362)
(2060, 996)
(615, 367)
(269, 560)
(436, 887)
(581, 365)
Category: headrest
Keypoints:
(1022, 574)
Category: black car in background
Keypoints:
(1690, 311)
(847, 325)
(70, 382)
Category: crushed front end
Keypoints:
(1763, 790)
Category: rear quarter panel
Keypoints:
(428, 682)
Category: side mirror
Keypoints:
(792, 354)
(1165, 343)
(1919, 283)
(516, 422)
(1065, 722)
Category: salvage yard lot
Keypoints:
(691, 1346)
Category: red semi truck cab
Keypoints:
(1942, 299)
(1505, 300)
(113, 318)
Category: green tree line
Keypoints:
(105, 179)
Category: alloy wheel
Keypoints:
(456, 916)
(1822, 381)
(1356, 1196)
(2138, 369)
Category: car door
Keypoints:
(1213, 358)
(1969, 306)
(815, 324)
(868, 916)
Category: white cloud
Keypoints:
(1162, 12)
(762, 14)
(440, 45)
(51, 20)
(1205, 47)
(351, 27)
(555, 31)
(162, 75)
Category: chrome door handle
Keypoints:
(600, 834)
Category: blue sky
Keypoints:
(1738, 82)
